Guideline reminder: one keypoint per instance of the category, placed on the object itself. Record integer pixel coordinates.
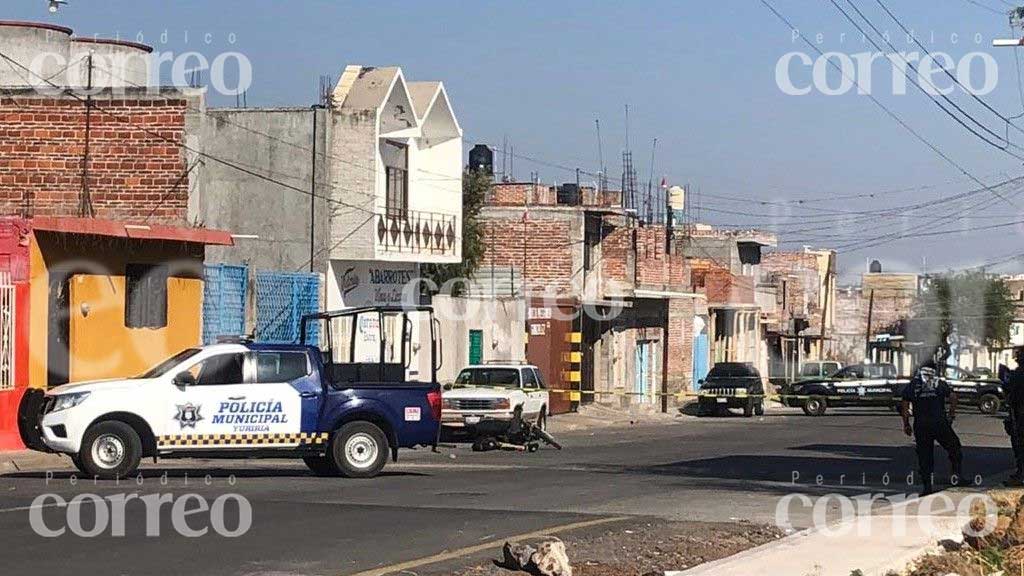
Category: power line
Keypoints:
(916, 82)
(984, 7)
(875, 100)
(952, 76)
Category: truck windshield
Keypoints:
(500, 377)
(162, 368)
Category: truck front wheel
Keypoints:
(359, 450)
(110, 450)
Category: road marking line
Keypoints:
(444, 556)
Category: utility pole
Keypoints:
(828, 290)
(85, 200)
(667, 316)
(867, 332)
(312, 190)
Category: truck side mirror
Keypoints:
(184, 379)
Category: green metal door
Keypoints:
(476, 346)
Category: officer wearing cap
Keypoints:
(928, 394)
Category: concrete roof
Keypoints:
(370, 88)
(422, 95)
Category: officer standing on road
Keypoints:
(1013, 387)
(928, 394)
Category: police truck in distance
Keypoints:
(855, 385)
(343, 406)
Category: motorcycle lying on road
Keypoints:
(516, 434)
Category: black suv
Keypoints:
(732, 385)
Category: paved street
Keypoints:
(709, 469)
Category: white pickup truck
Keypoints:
(494, 392)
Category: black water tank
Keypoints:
(568, 194)
(481, 158)
(875, 267)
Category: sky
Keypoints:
(698, 76)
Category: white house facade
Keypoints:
(396, 184)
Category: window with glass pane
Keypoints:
(280, 366)
(396, 165)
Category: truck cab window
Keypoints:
(529, 378)
(220, 369)
(272, 367)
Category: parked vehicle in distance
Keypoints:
(854, 385)
(819, 369)
(732, 385)
(341, 416)
(986, 393)
(494, 391)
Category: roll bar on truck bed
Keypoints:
(436, 344)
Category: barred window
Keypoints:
(145, 296)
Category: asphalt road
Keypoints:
(721, 469)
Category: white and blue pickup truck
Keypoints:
(242, 400)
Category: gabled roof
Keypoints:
(404, 109)
(422, 95)
(365, 87)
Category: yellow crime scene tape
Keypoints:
(577, 394)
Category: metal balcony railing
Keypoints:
(414, 232)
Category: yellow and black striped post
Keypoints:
(572, 367)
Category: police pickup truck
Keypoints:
(342, 407)
(855, 385)
(972, 389)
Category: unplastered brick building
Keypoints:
(606, 298)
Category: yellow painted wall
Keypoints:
(101, 345)
(38, 314)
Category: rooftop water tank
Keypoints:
(115, 63)
(45, 49)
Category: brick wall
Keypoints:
(616, 249)
(719, 285)
(136, 169)
(540, 248)
(521, 194)
(681, 312)
(798, 273)
(654, 269)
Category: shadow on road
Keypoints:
(879, 467)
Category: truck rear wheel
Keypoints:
(359, 450)
(988, 404)
(110, 450)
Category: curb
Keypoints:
(752, 557)
(30, 461)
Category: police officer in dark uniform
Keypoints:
(1013, 388)
(928, 394)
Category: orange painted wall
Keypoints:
(101, 345)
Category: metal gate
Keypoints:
(224, 301)
(282, 298)
(7, 336)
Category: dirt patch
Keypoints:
(999, 551)
(645, 547)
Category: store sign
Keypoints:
(370, 283)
